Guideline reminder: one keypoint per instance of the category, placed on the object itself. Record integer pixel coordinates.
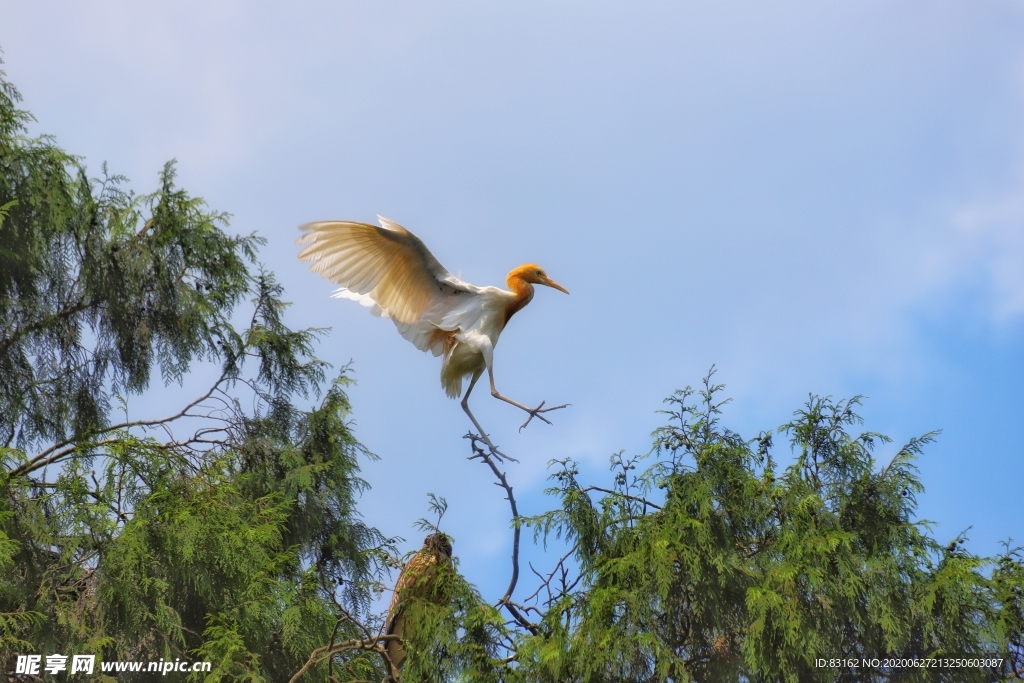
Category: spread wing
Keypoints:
(389, 270)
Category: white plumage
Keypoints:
(390, 271)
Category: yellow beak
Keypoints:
(551, 283)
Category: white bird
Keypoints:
(390, 271)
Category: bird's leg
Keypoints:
(534, 412)
(483, 434)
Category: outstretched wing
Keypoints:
(389, 270)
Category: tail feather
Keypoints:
(460, 361)
(452, 383)
(396, 653)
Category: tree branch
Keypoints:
(46, 322)
(547, 582)
(622, 495)
(61, 449)
(487, 456)
(375, 644)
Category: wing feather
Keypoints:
(389, 270)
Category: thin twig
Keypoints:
(622, 495)
(375, 644)
(63, 448)
(547, 581)
(487, 456)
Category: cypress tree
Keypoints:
(225, 530)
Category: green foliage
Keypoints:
(737, 573)
(451, 634)
(227, 531)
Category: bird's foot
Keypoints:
(539, 411)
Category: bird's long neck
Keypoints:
(523, 291)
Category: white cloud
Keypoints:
(986, 242)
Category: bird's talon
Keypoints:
(536, 413)
(349, 252)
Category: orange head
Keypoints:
(533, 274)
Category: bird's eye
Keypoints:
(540, 273)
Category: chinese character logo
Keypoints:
(29, 664)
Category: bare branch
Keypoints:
(546, 582)
(622, 495)
(62, 449)
(375, 644)
(36, 464)
(488, 456)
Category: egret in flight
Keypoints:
(390, 271)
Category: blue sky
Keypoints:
(816, 197)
